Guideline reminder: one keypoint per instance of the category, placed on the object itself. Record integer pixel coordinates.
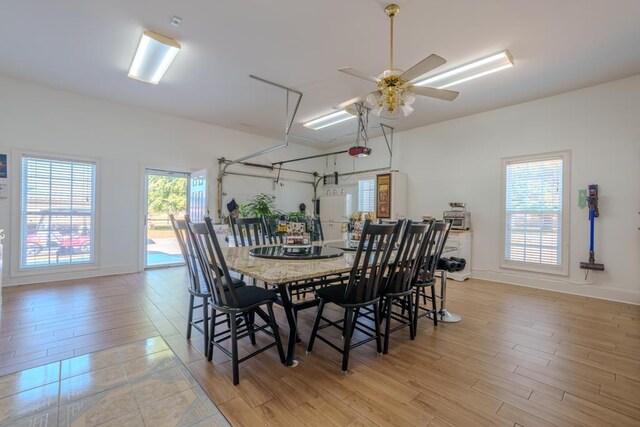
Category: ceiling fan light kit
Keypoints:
(473, 70)
(153, 57)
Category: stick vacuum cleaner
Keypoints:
(592, 201)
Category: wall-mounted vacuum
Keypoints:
(592, 202)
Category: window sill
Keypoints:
(61, 269)
(555, 271)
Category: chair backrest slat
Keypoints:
(371, 261)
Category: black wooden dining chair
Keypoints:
(197, 289)
(403, 272)
(371, 261)
(197, 286)
(426, 277)
(250, 232)
(233, 301)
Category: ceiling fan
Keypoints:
(396, 88)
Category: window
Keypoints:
(367, 195)
(536, 212)
(57, 212)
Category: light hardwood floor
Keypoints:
(519, 357)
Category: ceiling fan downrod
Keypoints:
(391, 11)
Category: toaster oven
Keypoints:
(458, 215)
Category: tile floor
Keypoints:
(137, 384)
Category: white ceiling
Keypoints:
(87, 47)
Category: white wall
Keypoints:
(455, 160)
(460, 160)
(126, 140)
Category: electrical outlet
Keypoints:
(582, 199)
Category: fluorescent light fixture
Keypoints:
(329, 120)
(154, 55)
(481, 67)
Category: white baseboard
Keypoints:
(72, 275)
(586, 290)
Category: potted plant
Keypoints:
(262, 205)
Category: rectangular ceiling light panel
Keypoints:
(329, 120)
(470, 71)
(153, 57)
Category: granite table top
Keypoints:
(277, 271)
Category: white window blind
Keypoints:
(366, 195)
(534, 212)
(57, 212)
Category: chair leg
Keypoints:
(381, 306)
(347, 340)
(387, 324)
(212, 333)
(234, 349)
(354, 322)
(276, 333)
(190, 319)
(295, 314)
(376, 317)
(404, 308)
(316, 323)
(435, 306)
(416, 307)
(205, 322)
(344, 322)
(412, 326)
(249, 321)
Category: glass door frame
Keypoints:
(145, 211)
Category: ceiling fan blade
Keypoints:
(352, 101)
(447, 95)
(427, 64)
(357, 73)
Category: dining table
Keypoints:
(286, 275)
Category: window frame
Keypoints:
(563, 268)
(365, 178)
(16, 269)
